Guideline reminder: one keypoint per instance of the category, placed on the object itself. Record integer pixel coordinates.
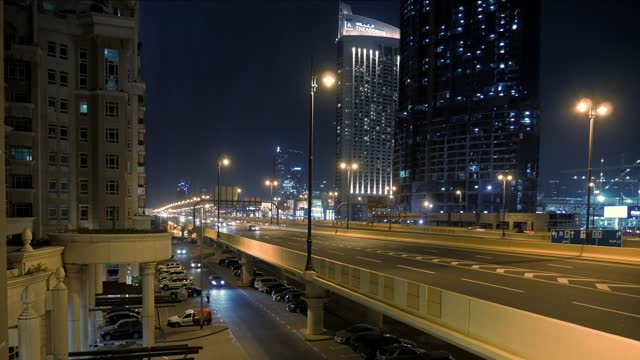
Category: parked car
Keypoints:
(298, 305)
(369, 344)
(293, 295)
(236, 267)
(424, 355)
(253, 228)
(216, 280)
(190, 317)
(263, 284)
(345, 335)
(400, 351)
(173, 273)
(281, 296)
(254, 277)
(168, 265)
(114, 317)
(175, 283)
(192, 291)
(124, 329)
(269, 288)
(237, 273)
(281, 290)
(224, 260)
(258, 283)
(232, 262)
(171, 269)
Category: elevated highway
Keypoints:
(496, 304)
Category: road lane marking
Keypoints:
(410, 268)
(335, 252)
(606, 286)
(561, 266)
(290, 243)
(429, 250)
(605, 309)
(484, 257)
(364, 258)
(498, 286)
(565, 280)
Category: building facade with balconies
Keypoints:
(74, 114)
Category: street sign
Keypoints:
(611, 238)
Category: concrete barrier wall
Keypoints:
(490, 330)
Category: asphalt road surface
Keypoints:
(599, 295)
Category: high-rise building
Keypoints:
(287, 171)
(468, 107)
(75, 112)
(367, 96)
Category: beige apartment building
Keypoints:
(75, 128)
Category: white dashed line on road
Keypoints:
(410, 268)
(335, 252)
(364, 258)
(605, 309)
(498, 286)
(561, 266)
(484, 257)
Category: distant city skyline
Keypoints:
(267, 103)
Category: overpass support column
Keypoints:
(246, 274)
(315, 297)
(148, 306)
(84, 306)
(93, 326)
(123, 270)
(75, 294)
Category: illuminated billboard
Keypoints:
(356, 25)
(616, 212)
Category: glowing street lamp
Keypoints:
(349, 167)
(271, 184)
(223, 161)
(504, 179)
(328, 80)
(586, 106)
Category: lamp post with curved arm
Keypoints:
(271, 184)
(504, 179)
(327, 80)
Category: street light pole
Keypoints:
(504, 199)
(459, 193)
(221, 162)
(271, 184)
(586, 106)
(352, 166)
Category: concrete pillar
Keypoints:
(135, 270)
(315, 297)
(59, 316)
(246, 274)
(29, 328)
(75, 293)
(91, 287)
(85, 303)
(123, 270)
(375, 318)
(100, 274)
(148, 305)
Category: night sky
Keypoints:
(232, 77)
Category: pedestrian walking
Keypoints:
(208, 295)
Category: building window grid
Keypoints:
(83, 211)
(83, 186)
(111, 108)
(112, 213)
(63, 51)
(53, 185)
(83, 135)
(84, 160)
(64, 133)
(51, 48)
(112, 187)
(112, 161)
(51, 76)
(63, 78)
(64, 106)
(111, 135)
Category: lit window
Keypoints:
(84, 107)
(111, 60)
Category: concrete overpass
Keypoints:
(483, 327)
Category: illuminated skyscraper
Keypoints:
(367, 96)
(468, 107)
(287, 171)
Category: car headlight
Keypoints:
(213, 282)
(222, 282)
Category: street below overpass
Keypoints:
(600, 295)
